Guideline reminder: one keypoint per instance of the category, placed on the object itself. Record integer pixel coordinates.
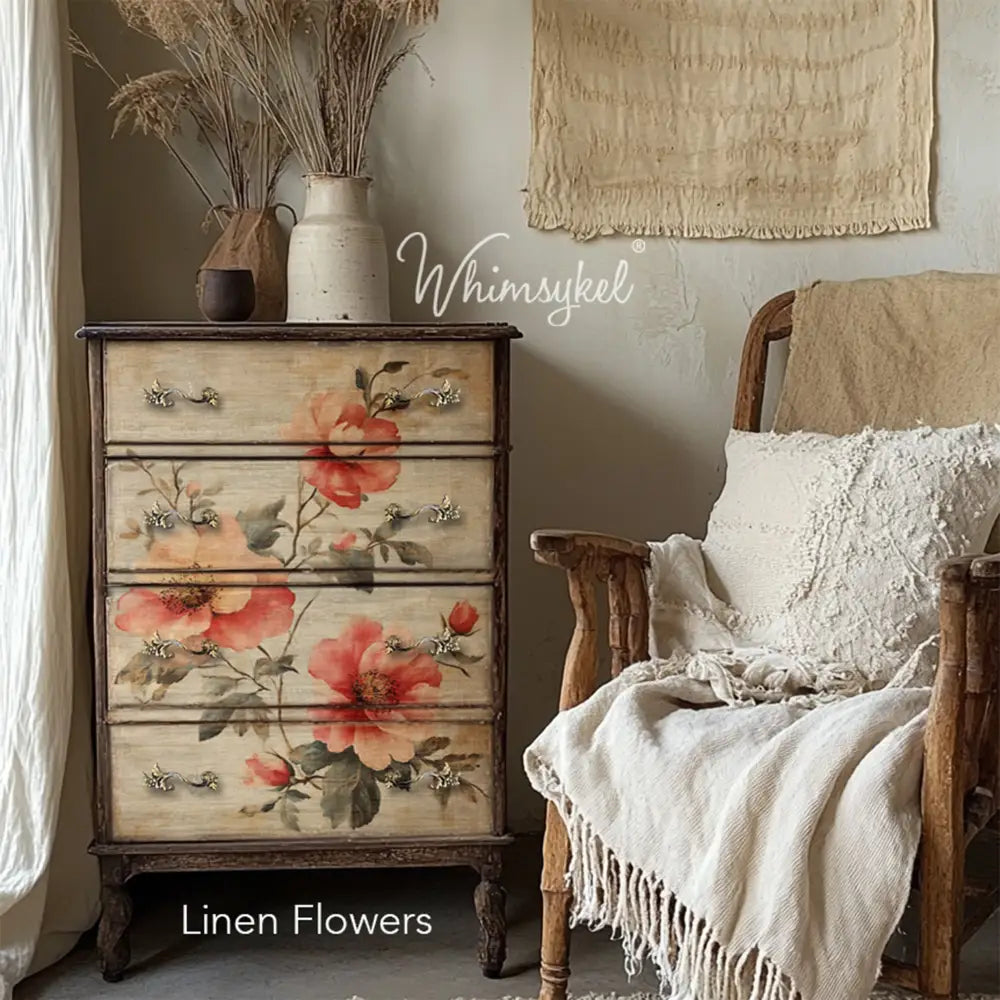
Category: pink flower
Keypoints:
(196, 604)
(361, 673)
(263, 772)
(345, 541)
(463, 618)
(347, 465)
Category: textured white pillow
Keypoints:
(829, 545)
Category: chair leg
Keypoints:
(942, 874)
(556, 899)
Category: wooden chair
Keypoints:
(960, 790)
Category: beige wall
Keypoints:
(620, 416)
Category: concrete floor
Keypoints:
(167, 965)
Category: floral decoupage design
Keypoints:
(369, 738)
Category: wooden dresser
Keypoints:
(299, 602)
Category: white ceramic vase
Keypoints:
(338, 271)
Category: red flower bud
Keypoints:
(463, 618)
(264, 772)
(345, 541)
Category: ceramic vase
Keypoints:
(338, 271)
(253, 239)
(226, 294)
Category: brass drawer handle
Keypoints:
(160, 395)
(444, 395)
(163, 517)
(439, 512)
(163, 781)
(443, 643)
(163, 649)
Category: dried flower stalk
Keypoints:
(327, 62)
(208, 39)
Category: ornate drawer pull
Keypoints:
(163, 781)
(163, 517)
(439, 512)
(159, 395)
(441, 644)
(445, 395)
(163, 648)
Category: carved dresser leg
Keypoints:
(491, 908)
(116, 913)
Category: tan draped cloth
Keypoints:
(893, 352)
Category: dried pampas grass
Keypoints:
(327, 62)
(207, 40)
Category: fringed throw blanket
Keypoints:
(736, 118)
(758, 850)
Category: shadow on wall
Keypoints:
(580, 460)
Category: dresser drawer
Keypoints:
(336, 778)
(347, 516)
(198, 391)
(222, 647)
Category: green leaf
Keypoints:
(461, 762)
(289, 812)
(262, 526)
(266, 667)
(394, 367)
(397, 775)
(442, 372)
(294, 793)
(214, 720)
(216, 687)
(431, 745)
(360, 378)
(268, 806)
(354, 567)
(413, 554)
(350, 793)
(467, 791)
(463, 658)
(248, 710)
(389, 528)
(313, 757)
(383, 551)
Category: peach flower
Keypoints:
(196, 604)
(360, 672)
(345, 466)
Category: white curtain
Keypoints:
(48, 883)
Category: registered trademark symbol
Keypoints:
(639, 246)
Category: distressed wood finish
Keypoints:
(327, 333)
(961, 783)
(143, 814)
(587, 558)
(942, 852)
(465, 543)
(265, 374)
(772, 322)
(491, 908)
(135, 679)
(259, 397)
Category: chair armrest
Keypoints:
(566, 549)
(589, 558)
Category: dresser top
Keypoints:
(298, 331)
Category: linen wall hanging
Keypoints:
(731, 117)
